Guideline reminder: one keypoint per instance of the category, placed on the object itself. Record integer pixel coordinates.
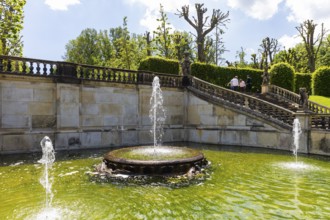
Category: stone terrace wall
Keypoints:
(86, 115)
(208, 123)
(95, 114)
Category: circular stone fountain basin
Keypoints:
(150, 160)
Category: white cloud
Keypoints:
(152, 10)
(259, 9)
(61, 5)
(303, 10)
(289, 41)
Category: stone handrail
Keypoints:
(246, 102)
(75, 73)
(294, 97)
(320, 121)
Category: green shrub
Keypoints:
(320, 81)
(222, 75)
(160, 65)
(282, 74)
(302, 80)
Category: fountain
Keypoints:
(296, 130)
(156, 159)
(47, 159)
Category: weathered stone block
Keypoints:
(68, 121)
(69, 94)
(89, 109)
(268, 139)
(130, 138)
(20, 142)
(15, 121)
(43, 121)
(112, 120)
(111, 109)
(92, 121)
(111, 139)
(15, 93)
(15, 108)
(230, 137)
(43, 95)
(41, 108)
(91, 139)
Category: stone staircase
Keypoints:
(269, 97)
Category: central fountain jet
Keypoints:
(156, 159)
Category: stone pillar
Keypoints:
(264, 89)
(304, 140)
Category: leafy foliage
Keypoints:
(296, 57)
(302, 80)
(320, 81)
(222, 75)
(282, 74)
(115, 48)
(11, 24)
(160, 65)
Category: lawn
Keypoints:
(322, 100)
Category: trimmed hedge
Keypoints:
(302, 80)
(160, 65)
(222, 75)
(282, 74)
(320, 81)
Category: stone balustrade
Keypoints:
(320, 121)
(294, 97)
(249, 103)
(75, 73)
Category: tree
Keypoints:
(296, 57)
(269, 48)
(148, 42)
(84, 49)
(182, 43)
(219, 46)
(255, 61)
(324, 53)
(312, 45)
(127, 50)
(199, 24)
(162, 34)
(11, 24)
(241, 55)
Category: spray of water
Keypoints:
(157, 112)
(47, 159)
(296, 131)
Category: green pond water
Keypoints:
(245, 183)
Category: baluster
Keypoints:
(38, 68)
(24, 67)
(9, 66)
(45, 69)
(31, 67)
(246, 102)
(17, 66)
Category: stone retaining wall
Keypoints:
(95, 114)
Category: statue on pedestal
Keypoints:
(303, 98)
(265, 77)
(185, 65)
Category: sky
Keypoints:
(50, 24)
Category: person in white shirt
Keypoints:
(234, 83)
